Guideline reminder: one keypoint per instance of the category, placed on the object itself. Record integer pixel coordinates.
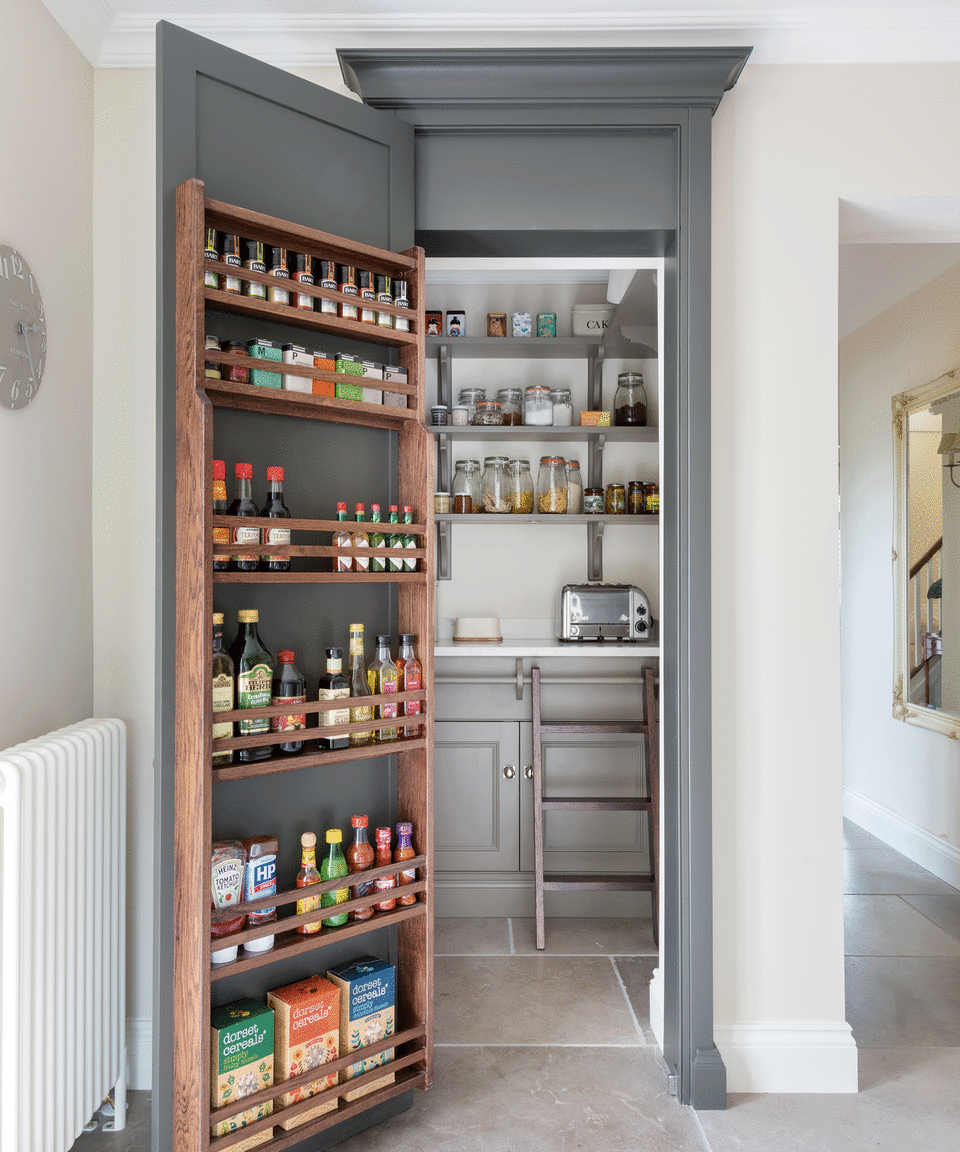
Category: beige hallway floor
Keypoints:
(553, 1051)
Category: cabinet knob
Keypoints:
(509, 772)
(528, 771)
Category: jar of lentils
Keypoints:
(551, 486)
(521, 487)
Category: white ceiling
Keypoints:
(301, 33)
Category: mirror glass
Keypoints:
(926, 555)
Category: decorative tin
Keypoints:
(456, 322)
(522, 324)
(434, 323)
(546, 323)
(496, 323)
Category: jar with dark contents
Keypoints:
(616, 503)
(635, 497)
(630, 404)
(466, 487)
(651, 500)
(593, 501)
(239, 373)
(511, 404)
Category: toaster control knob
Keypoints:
(640, 626)
(641, 609)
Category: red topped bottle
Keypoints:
(243, 505)
(275, 507)
(221, 536)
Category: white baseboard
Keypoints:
(917, 844)
(788, 1057)
(140, 1054)
(656, 1006)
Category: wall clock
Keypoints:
(23, 331)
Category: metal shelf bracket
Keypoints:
(595, 552)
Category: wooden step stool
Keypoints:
(594, 882)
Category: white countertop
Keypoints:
(538, 638)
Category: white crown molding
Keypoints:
(110, 38)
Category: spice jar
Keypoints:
(537, 406)
(438, 414)
(630, 404)
(574, 488)
(511, 402)
(651, 499)
(235, 372)
(562, 407)
(551, 485)
(210, 369)
(468, 398)
(496, 323)
(521, 487)
(488, 413)
(460, 416)
(495, 488)
(635, 497)
(616, 503)
(466, 487)
(593, 501)
(441, 503)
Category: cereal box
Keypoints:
(307, 1027)
(393, 375)
(367, 995)
(326, 362)
(594, 419)
(264, 350)
(241, 1062)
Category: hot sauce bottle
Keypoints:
(376, 541)
(303, 275)
(411, 680)
(308, 875)
(243, 505)
(275, 507)
(342, 539)
(405, 851)
(360, 540)
(221, 536)
(359, 858)
(383, 858)
(331, 869)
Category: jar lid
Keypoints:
(573, 464)
(593, 492)
(489, 405)
(213, 342)
(473, 394)
(630, 378)
(438, 407)
(537, 388)
(559, 393)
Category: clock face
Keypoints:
(23, 331)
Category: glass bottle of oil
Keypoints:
(222, 690)
(359, 686)
(383, 676)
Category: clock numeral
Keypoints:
(40, 309)
(16, 265)
(4, 270)
(15, 392)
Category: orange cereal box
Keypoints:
(367, 993)
(307, 1031)
(241, 1063)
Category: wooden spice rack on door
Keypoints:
(197, 398)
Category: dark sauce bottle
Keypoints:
(243, 505)
(275, 507)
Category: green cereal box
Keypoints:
(265, 350)
(241, 1063)
(367, 998)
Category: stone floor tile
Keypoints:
(856, 837)
(943, 910)
(786, 1123)
(636, 972)
(471, 936)
(540, 1100)
(909, 1100)
(889, 926)
(134, 1138)
(904, 1002)
(883, 871)
(583, 936)
(530, 1000)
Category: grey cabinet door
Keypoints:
(476, 806)
(604, 765)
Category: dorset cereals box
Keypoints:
(367, 991)
(241, 1063)
(307, 1019)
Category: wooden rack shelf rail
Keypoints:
(198, 398)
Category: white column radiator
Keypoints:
(62, 933)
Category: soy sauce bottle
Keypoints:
(243, 505)
(275, 507)
(288, 686)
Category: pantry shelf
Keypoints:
(279, 402)
(321, 577)
(293, 763)
(558, 520)
(527, 432)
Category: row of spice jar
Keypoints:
(537, 405)
(506, 486)
(302, 268)
(521, 323)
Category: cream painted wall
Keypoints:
(124, 462)
(789, 142)
(910, 772)
(46, 678)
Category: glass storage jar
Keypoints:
(466, 487)
(488, 413)
(574, 488)
(630, 403)
(562, 407)
(521, 487)
(511, 403)
(468, 399)
(616, 502)
(537, 406)
(551, 485)
(593, 503)
(495, 488)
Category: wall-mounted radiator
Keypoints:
(62, 979)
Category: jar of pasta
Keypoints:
(521, 487)
(551, 486)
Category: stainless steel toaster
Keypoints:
(603, 612)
